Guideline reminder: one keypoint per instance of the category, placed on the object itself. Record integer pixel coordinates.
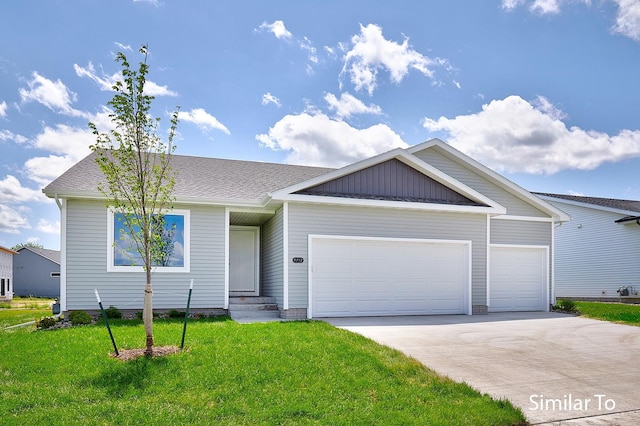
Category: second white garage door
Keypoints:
(518, 278)
(372, 277)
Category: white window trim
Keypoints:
(161, 269)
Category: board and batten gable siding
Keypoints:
(391, 179)
(87, 246)
(305, 219)
(594, 254)
(272, 270)
(514, 205)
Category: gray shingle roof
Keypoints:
(612, 203)
(201, 178)
(52, 255)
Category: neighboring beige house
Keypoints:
(6, 273)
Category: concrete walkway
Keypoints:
(559, 369)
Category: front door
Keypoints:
(243, 260)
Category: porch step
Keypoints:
(247, 307)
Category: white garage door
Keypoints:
(371, 277)
(518, 279)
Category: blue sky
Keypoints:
(545, 92)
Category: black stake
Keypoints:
(186, 315)
(104, 316)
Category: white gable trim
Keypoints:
(287, 194)
(557, 214)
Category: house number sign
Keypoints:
(298, 259)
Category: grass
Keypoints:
(27, 303)
(23, 309)
(622, 313)
(286, 373)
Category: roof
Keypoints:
(8, 250)
(52, 255)
(611, 203)
(197, 178)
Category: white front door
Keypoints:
(243, 260)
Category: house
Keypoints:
(6, 273)
(36, 272)
(597, 252)
(422, 230)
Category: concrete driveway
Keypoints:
(555, 367)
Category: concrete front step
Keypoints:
(251, 300)
(252, 307)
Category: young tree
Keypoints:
(139, 180)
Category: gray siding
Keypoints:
(272, 275)
(305, 219)
(595, 255)
(513, 204)
(520, 232)
(32, 275)
(87, 263)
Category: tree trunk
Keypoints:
(147, 317)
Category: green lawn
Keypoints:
(9, 317)
(615, 312)
(230, 374)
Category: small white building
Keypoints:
(6, 273)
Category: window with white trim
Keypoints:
(122, 255)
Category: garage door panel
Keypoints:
(518, 279)
(388, 277)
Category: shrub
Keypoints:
(175, 314)
(113, 313)
(566, 305)
(80, 317)
(139, 315)
(46, 322)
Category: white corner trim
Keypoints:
(488, 272)
(63, 255)
(227, 229)
(285, 256)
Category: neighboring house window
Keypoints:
(54, 274)
(122, 255)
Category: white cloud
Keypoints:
(371, 52)
(277, 28)
(306, 45)
(268, 98)
(50, 228)
(12, 191)
(348, 105)
(124, 46)
(7, 135)
(106, 82)
(628, 19)
(627, 16)
(71, 144)
(11, 221)
(202, 119)
(3, 109)
(52, 94)
(320, 141)
(155, 3)
(514, 135)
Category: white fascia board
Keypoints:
(446, 180)
(590, 206)
(363, 202)
(557, 214)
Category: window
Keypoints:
(122, 255)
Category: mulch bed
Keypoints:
(131, 354)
